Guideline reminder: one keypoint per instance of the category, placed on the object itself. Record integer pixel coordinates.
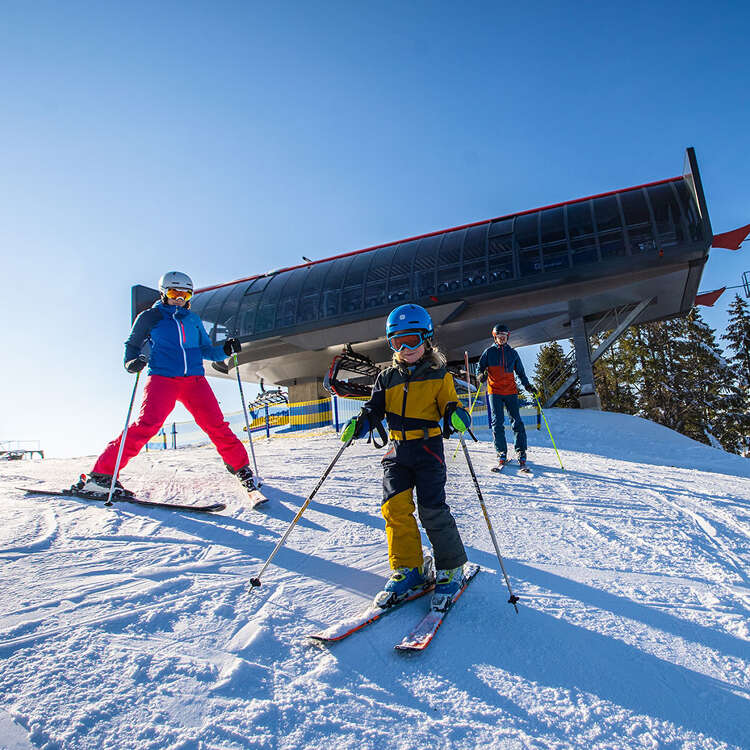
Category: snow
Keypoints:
(134, 627)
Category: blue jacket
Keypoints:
(179, 342)
(501, 362)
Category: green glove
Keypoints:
(460, 419)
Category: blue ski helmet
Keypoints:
(409, 318)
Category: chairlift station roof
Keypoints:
(531, 270)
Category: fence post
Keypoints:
(268, 428)
(174, 436)
(335, 412)
(164, 436)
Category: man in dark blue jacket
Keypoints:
(179, 344)
(498, 365)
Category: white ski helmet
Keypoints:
(175, 280)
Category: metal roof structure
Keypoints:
(533, 270)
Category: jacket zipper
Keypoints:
(180, 332)
(403, 407)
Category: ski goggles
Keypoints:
(406, 341)
(185, 294)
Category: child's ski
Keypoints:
(340, 630)
(422, 635)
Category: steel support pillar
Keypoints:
(588, 398)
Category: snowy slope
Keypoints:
(135, 628)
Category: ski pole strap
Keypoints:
(378, 426)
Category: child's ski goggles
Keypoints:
(406, 341)
(185, 294)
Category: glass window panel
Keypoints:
(399, 289)
(500, 227)
(553, 226)
(403, 257)
(309, 300)
(449, 278)
(642, 240)
(450, 249)
(375, 294)
(612, 244)
(380, 265)
(584, 250)
(634, 208)
(501, 244)
(530, 262)
(667, 214)
(500, 267)
(607, 213)
(580, 223)
(426, 256)
(377, 276)
(425, 283)
(265, 318)
(555, 256)
(351, 299)
(355, 274)
(335, 277)
(526, 231)
(475, 273)
(689, 210)
(286, 313)
(247, 315)
(475, 245)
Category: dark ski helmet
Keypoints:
(500, 328)
(409, 318)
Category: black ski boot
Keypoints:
(96, 485)
(247, 480)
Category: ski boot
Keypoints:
(247, 480)
(448, 582)
(502, 459)
(522, 461)
(98, 485)
(405, 583)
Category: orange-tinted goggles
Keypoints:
(408, 340)
(186, 294)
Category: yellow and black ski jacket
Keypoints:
(413, 403)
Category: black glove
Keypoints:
(483, 376)
(137, 364)
(232, 346)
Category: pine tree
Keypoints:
(735, 422)
(615, 374)
(552, 369)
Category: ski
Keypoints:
(344, 628)
(497, 469)
(422, 635)
(120, 498)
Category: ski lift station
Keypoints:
(565, 271)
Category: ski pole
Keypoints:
(471, 411)
(550, 431)
(254, 582)
(108, 502)
(259, 481)
(513, 598)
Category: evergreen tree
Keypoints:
(735, 421)
(615, 374)
(552, 369)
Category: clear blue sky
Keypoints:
(228, 138)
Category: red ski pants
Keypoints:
(159, 398)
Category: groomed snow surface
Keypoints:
(133, 627)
